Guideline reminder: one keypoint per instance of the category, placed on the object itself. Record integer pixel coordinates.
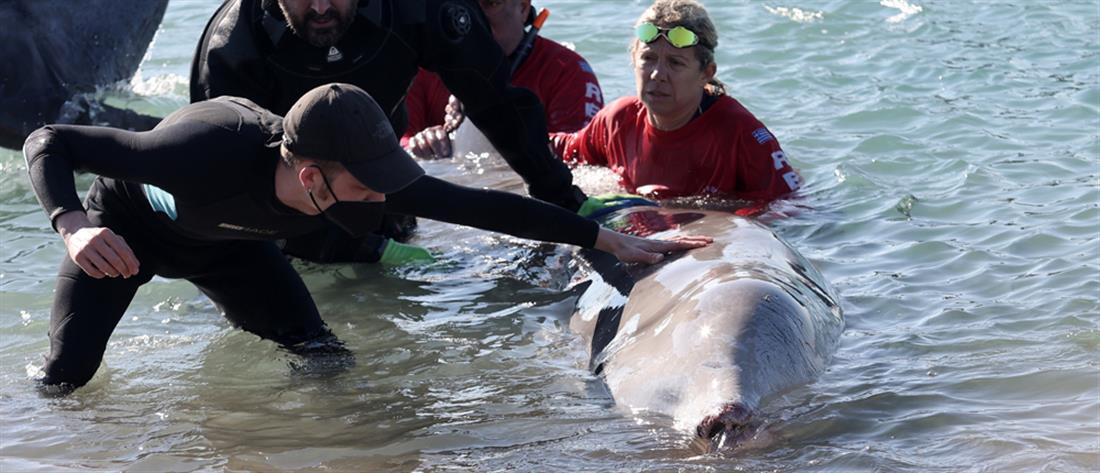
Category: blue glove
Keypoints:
(599, 205)
(397, 254)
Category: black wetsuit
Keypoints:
(195, 199)
(248, 51)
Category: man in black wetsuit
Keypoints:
(204, 195)
(273, 51)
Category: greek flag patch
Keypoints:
(762, 135)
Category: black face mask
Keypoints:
(357, 218)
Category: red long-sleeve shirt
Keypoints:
(726, 150)
(561, 78)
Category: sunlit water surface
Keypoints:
(952, 155)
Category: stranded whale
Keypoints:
(707, 336)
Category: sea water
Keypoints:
(951, 153)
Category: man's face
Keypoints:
(320, 22)
(506, 18)
(329, 187)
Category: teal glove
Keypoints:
(599, 205)
(397, 254)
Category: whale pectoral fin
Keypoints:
(611, 277)
(607, 325)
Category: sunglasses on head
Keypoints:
(679, 36)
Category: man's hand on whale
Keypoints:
(632, 249)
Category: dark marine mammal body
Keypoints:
(53, 50)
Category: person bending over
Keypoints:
(204, 195)
(273, 51)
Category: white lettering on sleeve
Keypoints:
(590, 109)
(779, 159)
(592, 91)
(793, 180)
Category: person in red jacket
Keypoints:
(561, 78)
(681, 135)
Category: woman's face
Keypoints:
(670, 81)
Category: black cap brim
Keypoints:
(388, 174)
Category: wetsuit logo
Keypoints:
(240, 228)
(334, 54)
(381, 130)
(456, 21)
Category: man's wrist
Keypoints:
(70, 222)
(571, 199)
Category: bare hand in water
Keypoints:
(454, 114)
(430, 143)
(435, 142)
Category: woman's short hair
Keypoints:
(667, 14)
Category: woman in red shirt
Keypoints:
(681, 135)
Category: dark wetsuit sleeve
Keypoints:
(215, 76)
(164, 157)
(227, 61)
(476, 71)
(496, 211)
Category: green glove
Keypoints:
(600, 205)
(397, 254)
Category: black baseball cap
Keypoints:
(341, 122)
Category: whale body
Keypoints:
(709, 335)
(705, 337)
(53, 50)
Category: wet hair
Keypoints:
(667, 14)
